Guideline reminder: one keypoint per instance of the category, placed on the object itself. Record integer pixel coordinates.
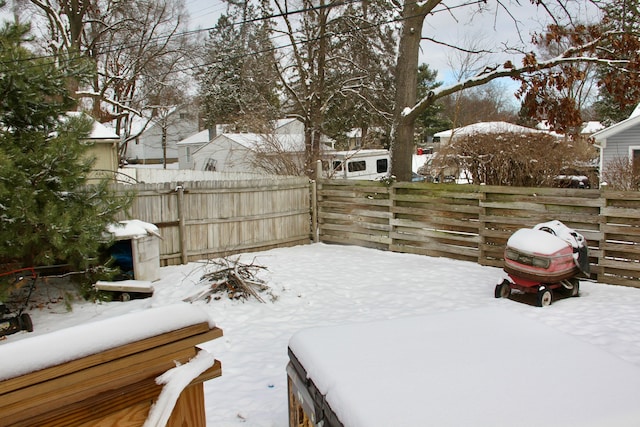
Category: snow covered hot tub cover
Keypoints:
(483, 367)
(64, 345)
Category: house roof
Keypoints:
(286, 142)
(201, 137)
(592, 127)
(632, 120)
(252, 141)
(486, 127)
(283, 122)
(98, 130)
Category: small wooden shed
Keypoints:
(104, 373)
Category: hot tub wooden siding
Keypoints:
(113, 388)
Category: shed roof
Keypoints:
(486, 127)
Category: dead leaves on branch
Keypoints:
(237, 280)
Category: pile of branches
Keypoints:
(232, 277)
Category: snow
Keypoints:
(592, 127)
(133, 228)
(569, 235)
(486, 127)
(413, 371)
(321, 285)
(98, 130)
(174, 381)
(536, 242)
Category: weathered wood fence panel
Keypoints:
(620, 248)
(355, 212)
(435, 221)
(199, 220)
(473, 223)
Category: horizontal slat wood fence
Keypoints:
(206, 219)
(473, 223)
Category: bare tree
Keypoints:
(583, 49)
(491, 102)
(136, 48)
(621, 174)
(279, 154)
(317, 71)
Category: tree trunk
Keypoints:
(406, 91)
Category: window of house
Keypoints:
(188, 154)
(357, 166)
(382, 165)
(337, 165)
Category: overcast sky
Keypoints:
(489, 30)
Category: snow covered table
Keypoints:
(483, 367)
(107, 372)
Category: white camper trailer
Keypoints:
(368, 164)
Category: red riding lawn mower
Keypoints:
(546, 258)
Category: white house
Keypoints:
(191, 144)
(288, 126)
(621, 140)
(194, 142)
(251, 152)
(170, 126)
(223, 151)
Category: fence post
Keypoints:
(314, 210)
(314, 203)
(482, 227)
(602, 241)
(182, 232)
(392, 215)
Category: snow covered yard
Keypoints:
(325, 285)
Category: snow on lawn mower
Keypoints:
(548, 257)
(19, 286)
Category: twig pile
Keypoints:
(238, 280)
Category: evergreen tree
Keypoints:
(619, 90)
(239, 85)
(431, 120)
(48, 213)
(359, 73)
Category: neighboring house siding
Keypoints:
(292, 126)
(223, 155)
(105, 155)
(147, 148)
(618, 145)
(187, 147)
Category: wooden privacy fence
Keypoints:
(199, 220)
(473, 223)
